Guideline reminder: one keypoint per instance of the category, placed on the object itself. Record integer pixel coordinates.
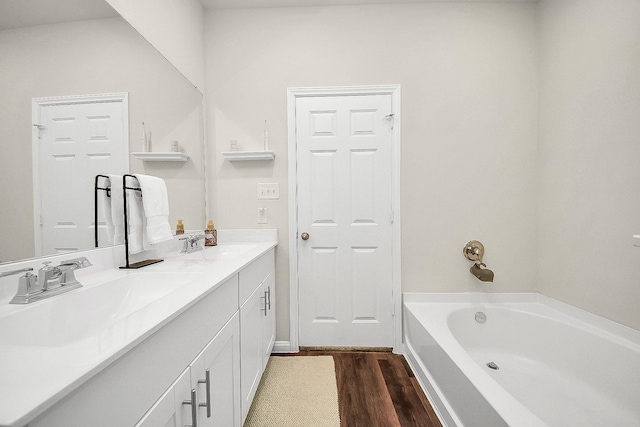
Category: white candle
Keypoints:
(145, 146)
(266, 137)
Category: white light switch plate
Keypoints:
(268, 191)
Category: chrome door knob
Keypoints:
(305, 236)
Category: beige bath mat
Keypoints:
(296, 391)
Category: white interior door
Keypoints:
(76, 139)
(344, 204)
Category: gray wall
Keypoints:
(589, 151)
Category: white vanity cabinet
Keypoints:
(212, 379)
(228, 332)
(257, 324)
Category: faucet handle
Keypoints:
(27, 286)
(473, 250)
(46, 269)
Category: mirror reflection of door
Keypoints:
(75, 138)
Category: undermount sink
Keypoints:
(72, 317)
(221, 251)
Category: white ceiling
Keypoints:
(27, 13)
(245, 4)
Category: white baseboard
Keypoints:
(283, 347)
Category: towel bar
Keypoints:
(106, 188)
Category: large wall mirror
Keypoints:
(62, 48)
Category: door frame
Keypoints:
(36, 105)
(292, 95)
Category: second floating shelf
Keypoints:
(237, 156)
(161, 157)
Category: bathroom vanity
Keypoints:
(182, 342)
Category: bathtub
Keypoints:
(556, 365)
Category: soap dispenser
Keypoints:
(179, 227)
(210, 234)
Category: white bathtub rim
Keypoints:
(569, 314)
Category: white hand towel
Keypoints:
(117, 209)
(136, 222)
(156, 208)
(105, 200)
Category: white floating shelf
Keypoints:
(238, 156)
(161, 157)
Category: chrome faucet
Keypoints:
(484, 275)
(49, 281)
(191, 243)
(474, 251)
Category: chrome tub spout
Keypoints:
(483, 274)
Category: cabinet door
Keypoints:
(169, 410)
(220, 363)
(251, 315)
(269, 319)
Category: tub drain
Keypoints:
(481, 317)
(493, 366)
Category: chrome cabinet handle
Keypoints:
(265, 303)
(304, 236)
(268, 301)
(207, 382)
(194, 408)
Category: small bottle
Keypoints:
(210, 234)
(179, 227)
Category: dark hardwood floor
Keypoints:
(377, 389)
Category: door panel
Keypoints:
(251, 318)
(169, 411)
(344, 203)
(222, 358)
(269, 321)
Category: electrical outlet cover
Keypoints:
(262, 216)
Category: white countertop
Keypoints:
(36, 373)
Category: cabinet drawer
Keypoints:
(222, 301)
(252, 276)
